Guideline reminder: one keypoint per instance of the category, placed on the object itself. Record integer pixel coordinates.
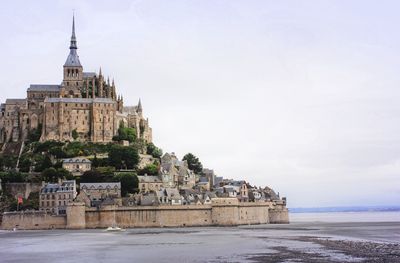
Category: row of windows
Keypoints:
(108, 105)
(41, 95)
(48, 196)
(53, 203)
(72, 72)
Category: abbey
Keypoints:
(85, 106)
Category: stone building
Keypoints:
(55, 197)
(94, 194)
(84, 106)
(149, 183)
(176, 173)
(77, 166)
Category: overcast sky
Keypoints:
(302, 96)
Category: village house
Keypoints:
(173, 168)
(77, 166)
(149, 183)
(95, 194)
(54, 197)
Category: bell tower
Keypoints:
(73, 71)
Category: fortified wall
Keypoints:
(222, 212)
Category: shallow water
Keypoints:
(202, 244)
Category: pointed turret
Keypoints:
(139, 107)
(101, 86)
(113, 90)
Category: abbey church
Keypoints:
(84, 104)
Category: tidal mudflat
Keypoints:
(296, 242)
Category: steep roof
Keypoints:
(15, 101)
(100, 185)
(149, 179)
(80, 100)
(44, 87)
(76, 160)
(89, 75)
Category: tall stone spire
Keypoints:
(73, 37)
(73, 58)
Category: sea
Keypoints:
(203, 244)
(350, 216)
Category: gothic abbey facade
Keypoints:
(84, 104)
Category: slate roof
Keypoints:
(100, 185)
(149, 179)
(53, 188)
(172, 192)
(80, 100)
(72, 59)
(15, 101)
(44, 87)
(76, 160)
(87, 75)
(203, 180)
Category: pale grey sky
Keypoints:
(302, 96)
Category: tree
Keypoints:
(125, 133)
(75, 134)
(193, 163)
(10, 161)
(43, 163)
(25, 163)
(150, 169)
(129, 182)
(91, 177)
(98, 175)
(52, 175)
(34, 135)
(154, 150)
(123, 157)
(13, 177)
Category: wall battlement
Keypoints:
(222, 212)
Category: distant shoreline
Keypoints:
(344, 209)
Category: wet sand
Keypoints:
(296, 242)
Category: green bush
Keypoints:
(52, 174)
(13, 177)
(154, 150)
(123, 157)
(127, 134)
(129, 182)
(193, 163)
(151, 169)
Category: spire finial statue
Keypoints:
(100, 72)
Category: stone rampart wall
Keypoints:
(227, 212)
(279, 215)
(32, 220)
